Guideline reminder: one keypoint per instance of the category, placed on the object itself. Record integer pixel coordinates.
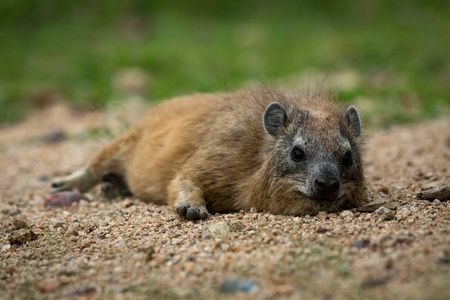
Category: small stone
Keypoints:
(42, 177)
(385, 213)
(22, 236)
(219, 230)
(14, 212)
(47, 286)
(384, 190)
(346, 213)
(84, 203)
(390, 205)
(322, 230)
(376, 281)
(236, 225)
(59, 225)
(54, 136)
(127, 203)
(234, 284)
(19, 224)
(253, 210)
(323, 215)
(359, 244)
(82, 291)
(435, 192)
(64, 199)
(428, 175)
(436, 202)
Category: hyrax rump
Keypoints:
(280, 152)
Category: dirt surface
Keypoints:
(131, 250)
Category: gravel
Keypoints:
(99, 249)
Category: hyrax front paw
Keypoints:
(192, 211)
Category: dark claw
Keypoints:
(181, 210)
(57, 184)
(106, 186)
(191, 214)
(203, 215)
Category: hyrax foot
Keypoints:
(114, 186)
(192, 212)
(187, 198)
(81, 181)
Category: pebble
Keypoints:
(390, 205)
(59, 224)
(22, 236)
(47, 286)
(236, 225)
(359, 244)
(82, 291)
(384, 190)
(42, 177)
(347, 214)
(323, 215)
(322, 230)
(64, 199)
(219, 230)
(19, 224)
(385, 213)
(54, 136)
(235, 284)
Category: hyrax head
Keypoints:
(316, 156)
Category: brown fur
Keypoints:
(212, 150)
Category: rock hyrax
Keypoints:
(279, 152)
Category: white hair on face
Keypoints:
(299, 141)
(343, 142)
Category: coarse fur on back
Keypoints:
(277, 151)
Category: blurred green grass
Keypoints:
(398, 52)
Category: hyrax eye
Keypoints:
(347, 160)
(297, 154)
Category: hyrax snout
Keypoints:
(280, 152)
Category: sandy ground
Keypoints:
(131, 250)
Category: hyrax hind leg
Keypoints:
(187, 198)
(114, 186)
(80, 180)
(108, 166)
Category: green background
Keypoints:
(391, 57)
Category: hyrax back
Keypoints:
(272, 150)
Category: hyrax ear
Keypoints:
(353, 121)
(275, 117)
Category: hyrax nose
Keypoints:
(326, 186)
